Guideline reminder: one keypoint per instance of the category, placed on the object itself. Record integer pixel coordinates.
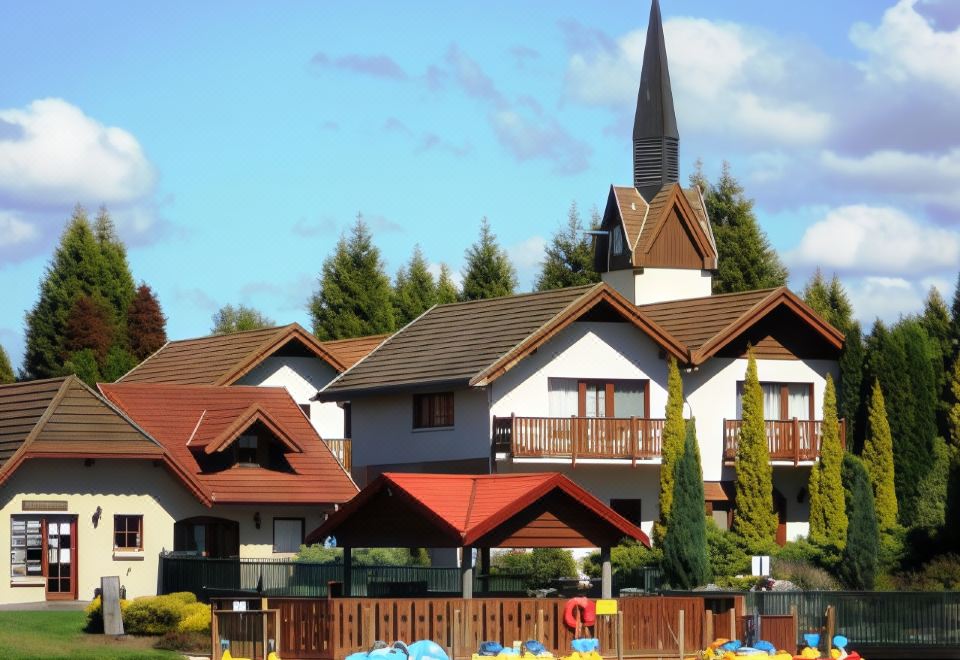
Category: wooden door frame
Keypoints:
(608, 385)
(74, 559)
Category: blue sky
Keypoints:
(234, 142)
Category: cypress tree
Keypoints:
(686, 563)
(755, 520)
(841, 310)
(414, 290)
(446, 289)
(488, 272)
(116, 283)
(850, 393)
(229, 319)
(672, 440)
(817, 294)
(828, 519)
(955, 321)
(858, 570)
(914, 444)
(930, 507)
(935, 320)
(953, 414)
(745, 257)
(84, 365)
(146, 324)
(117, 363)
(90, 325)
(6, 371)
(354, 298)
(878, 460)
(568, 258)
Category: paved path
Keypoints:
(45, 605)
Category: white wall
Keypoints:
(651, 285)
(303, 377)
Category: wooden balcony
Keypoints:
(575, 438)
(341, 449)
(792, 440)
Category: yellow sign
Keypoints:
(608, 606)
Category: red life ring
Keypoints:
(588, 612)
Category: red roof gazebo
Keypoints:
(544, 510)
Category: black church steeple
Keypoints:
(655, 136)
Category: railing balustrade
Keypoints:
(341, 449)
(625, 438)
(795, 440)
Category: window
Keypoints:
(26, 548)
(127, 532)
(287, 534)
(432, 410)
(597, 398)
(247, 449)
(782, 401)
(629, 509)
(305, 407)
(618, 240)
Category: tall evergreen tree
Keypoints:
(878, 460)
(84, 365)
(672, 439)
(755, 520)
(914, 444)
(935, 320)
(117, 363)
(116, 282)
(568, 258)
(686, 563)
(229, 319)
(850, 392)
(488, 272)
(446, 290)
(6, 370)
(414, 290)
(816, 293)
(841, 309)
(861, 554)
(354, 298)
(955, 320)
(931, 505)
(953, 413)
(90, 325)
(828, 518)
(146, 324)
(746, 259)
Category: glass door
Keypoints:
(61, 557)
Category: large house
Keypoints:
(93, 486)
(575, 379)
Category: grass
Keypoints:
(55, 635)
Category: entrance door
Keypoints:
(61, 557)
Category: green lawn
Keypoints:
(55, 635)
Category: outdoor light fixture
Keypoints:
(96, 516)
(256, 519)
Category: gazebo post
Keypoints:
(606, 573)
(347, 572)
(466, 571)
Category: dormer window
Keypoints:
(618, 240)
(247, 450)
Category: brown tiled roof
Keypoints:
(350, 351)
(656, 214)
(633, 211)
(21, 406)
(179, 416)
(221, 359)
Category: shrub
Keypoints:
(94, 612)
(541, 565)
(727, 555)
(628, 557)
(804, 574)
(939, 574)
(153, 615)
(317, 554)
(185, 642)
(185, 597)
(196, 618)
(737, 583)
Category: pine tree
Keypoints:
(686, 563)
(117, 363)
(146, 324)
(446, 289)
(745, 257)
(755, 520)
(354, 298)
(84, 365)
(90, 325)
(953, 414)
(850, 394)
(488, 272)
(841, 310)
(568, 258)
(817, 295)
(914, 445)
(858, 569)
(828, 518)
(116, 283)
(935, 320)
(414, 290)
(878, 460)
(6, 370)
(930, 508)
(229, 319)
(672, 439)
(955, 321)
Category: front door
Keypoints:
(61, 557)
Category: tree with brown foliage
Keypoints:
(146, 324)
(89, 325)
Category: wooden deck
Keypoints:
(792, 440)
(576, 438)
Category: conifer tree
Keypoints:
(117, 363)
(672, 439)
(488, 272)
(931, 505)
(568, 257)
(935, 320)
(841, 310)
(90, 325)
(746, 259)
(6, 370)
(229, 319)
(146, 324)
(354, 298)
(755, 520)
(116, 283)
(914, 444)
(816, 293)
(955, 320)
(878, 460)
(850, 391)
(953, 413)
(828, 518)
(858, 570)
(686, 563)
(84, 365)
(446, 289)
(414, 290)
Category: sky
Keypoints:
(233, 143)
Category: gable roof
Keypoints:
(63, 418)
(473, 343)
(352, 350)
(463, 509)
(198, 418)
(223, 359)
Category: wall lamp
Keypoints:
(96, 516)
(256, 519)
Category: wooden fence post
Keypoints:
(619, 634)
(680, 632)
(707, 628)
(796, 625)
(733, 623)
(831, 625)
(453, 635)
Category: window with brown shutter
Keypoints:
(432, 410)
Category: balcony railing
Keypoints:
(341, 449)
(795, 440)
(625, 438)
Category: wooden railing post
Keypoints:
(796, 441)
(513, 433)
(634, 440)
(575, 425)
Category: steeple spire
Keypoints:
(655, 136)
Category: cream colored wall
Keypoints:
(651, 285)
(123, 487)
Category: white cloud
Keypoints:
(527, 254)
(886, 298)
(906, 46)
(15, 232)
(61, 156)
(876, 241)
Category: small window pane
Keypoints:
(628, 398)
(432, 410)
(287, 534)
(128, 532)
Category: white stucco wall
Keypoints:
(303, 377)
(123, 487)
(651, 285)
